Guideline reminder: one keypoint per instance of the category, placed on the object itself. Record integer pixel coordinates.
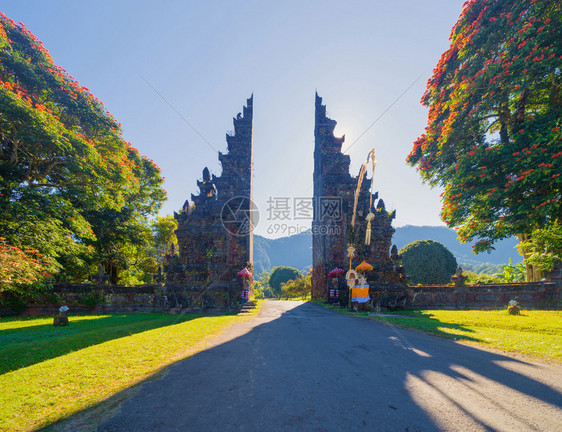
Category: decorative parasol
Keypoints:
(364, 266)
(336, 272)
(244, 273)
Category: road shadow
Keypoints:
(427, 323)
(25, 346)
(424, 322)
(314, 369)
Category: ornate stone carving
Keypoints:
(209, 254)
(331, 237)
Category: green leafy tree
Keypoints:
(428, 262)
(513, 273)
(141, 265)
(123, 240)
(258, 290)
(64, 163)
(20, 268)
(482, 268)
(134, 257)
(163, 229)
(493, 137)
(544, 248)
(262, 290)
(482, 278)
(297, 288)
(280, 275)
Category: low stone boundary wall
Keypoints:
(101, 299)
(532, 295)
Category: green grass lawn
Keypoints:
(536, 333)
(48, 373)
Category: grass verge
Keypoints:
(537, 333)
(51, 373)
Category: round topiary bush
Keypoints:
(282, 274)
(428, 262)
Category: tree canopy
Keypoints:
(71, 187)
(544, 248)
(297, 288)
(428, 262)
(282, 274)
(493, 137)
(19, 267)
(164, 235)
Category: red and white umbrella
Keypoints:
(244, 273)
(336, 272)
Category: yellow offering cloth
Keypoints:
(360, 294)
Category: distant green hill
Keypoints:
(296, 251)
(293, 251)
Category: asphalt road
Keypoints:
(300, 367)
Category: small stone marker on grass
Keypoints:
(61, 319)
(513, 308)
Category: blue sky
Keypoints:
(205, 58)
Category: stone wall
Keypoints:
(102, 299)
(534, 295)
(86, 299)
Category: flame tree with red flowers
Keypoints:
(493, 138)
(19, 267)
(70, 186)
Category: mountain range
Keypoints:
(296, 250)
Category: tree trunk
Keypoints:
(113, 273)
(504, 117)
(534, 274)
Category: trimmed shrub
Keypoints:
(282, 274)
(428, 262)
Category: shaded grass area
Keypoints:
(51, 373)
(26, 341)
(536, 333)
